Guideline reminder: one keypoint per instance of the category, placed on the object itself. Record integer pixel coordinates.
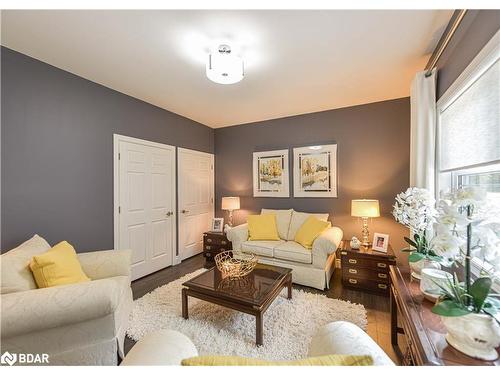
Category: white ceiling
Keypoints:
(295, 61)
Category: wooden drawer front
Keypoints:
(375, 264)
(217, 241)
(355, 282)
(215, 248)
(365, 273)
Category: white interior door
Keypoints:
(145, 220)
(196, 199)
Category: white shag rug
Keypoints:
(288, 324)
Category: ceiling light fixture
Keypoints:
(224, 67)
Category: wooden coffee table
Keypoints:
(251, 294)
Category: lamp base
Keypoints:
(366, 234)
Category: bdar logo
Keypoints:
(8, 359)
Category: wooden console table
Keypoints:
(424, 333)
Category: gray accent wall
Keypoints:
(475, 30)
(373, 161)
(57, 151)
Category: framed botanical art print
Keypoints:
(315, 171)
(270, 174)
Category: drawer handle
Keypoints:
(222, 249)
(382, 265)
(208, 255)
(382, 286)
(353, 261)
(382, 275)
(208, 247)
(209, 240)
(351, 270)
(353, 281)
(343, 252)
(223, 242)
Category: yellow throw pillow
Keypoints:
(262, 228)
(311, 229)
(326, 360)
(58, 266)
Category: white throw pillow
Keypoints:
(282, 220)
(298, 218)
(14, 264)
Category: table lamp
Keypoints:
(365, 208)
(230, 204)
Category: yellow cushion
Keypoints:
(58, 266)
(327, 360)
(262, 228)
(311, 229)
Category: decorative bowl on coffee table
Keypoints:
(235, 266)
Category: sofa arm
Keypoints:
(237, 235)
(105, 264)
(160, 348)
(325, 244)
(346, 338)
(40, 309)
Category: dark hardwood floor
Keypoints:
(377, 306)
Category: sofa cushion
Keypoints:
(16, 274)
(264, 248)
(293, 251)
(283, 218)
(327, 360)
(57, 266)
(262, 228)
(298, 218)
(311, 229)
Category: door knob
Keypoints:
(184, 211)
(170, 213)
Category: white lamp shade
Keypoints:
(230, 203)
(365, 208)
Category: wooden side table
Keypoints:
(213, 244)
(424, 333)
(365, 268)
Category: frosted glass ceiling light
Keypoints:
(224, 67)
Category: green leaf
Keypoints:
(415, 257)
(449, 308)
(412, 243)
(479, 291)
(435, 258)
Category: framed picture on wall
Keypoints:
(270, 174)
(315, 171)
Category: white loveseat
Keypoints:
(77, 324)
(311, 267)
(169, 348)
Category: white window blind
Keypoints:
(470, 125)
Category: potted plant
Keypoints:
(469, 309)
(414, 208)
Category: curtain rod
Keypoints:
(445, 39)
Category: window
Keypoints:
(468, 128)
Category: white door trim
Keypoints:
(180, 192)
(116, 186)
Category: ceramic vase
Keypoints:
(432, 281)
(476, 335)
(417, 267)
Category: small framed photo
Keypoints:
(217, 224)
(380, 242)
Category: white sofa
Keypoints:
(169, 348)
(77, 324)
(311, 267)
